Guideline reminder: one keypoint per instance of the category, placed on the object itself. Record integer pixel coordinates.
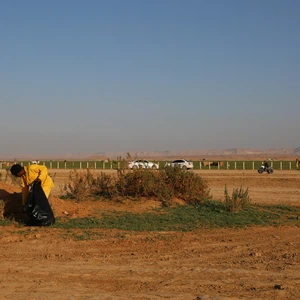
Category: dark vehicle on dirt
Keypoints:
(263, 168)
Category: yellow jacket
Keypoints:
(32, 173)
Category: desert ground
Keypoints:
(251, 263)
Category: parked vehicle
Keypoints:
(142, 164)
(180, 163)
(263, 168)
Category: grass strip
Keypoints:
(211, 214)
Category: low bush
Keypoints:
(187, 185)
(159, 184)
(238, 201)
(79, 186)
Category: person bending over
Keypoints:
(29, 175)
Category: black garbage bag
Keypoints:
(37, 207)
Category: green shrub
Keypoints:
(105, 185)
(80, 185)
(145, 183)
(158, 184)
(238, 201)
(187, 185)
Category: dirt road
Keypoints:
(253, 263)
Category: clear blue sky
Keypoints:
(136, 75)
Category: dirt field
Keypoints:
(253, 263)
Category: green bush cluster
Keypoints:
(238, 201)
(160, 184)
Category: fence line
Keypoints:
(198, 165)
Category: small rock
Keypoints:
(203, 297)
(278, 287)
(255, 254)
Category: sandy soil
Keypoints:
(253, 263)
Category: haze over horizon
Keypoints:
(108, 76)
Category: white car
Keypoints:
(180, 163)
(142, 164)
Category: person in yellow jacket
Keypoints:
(30, 174)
